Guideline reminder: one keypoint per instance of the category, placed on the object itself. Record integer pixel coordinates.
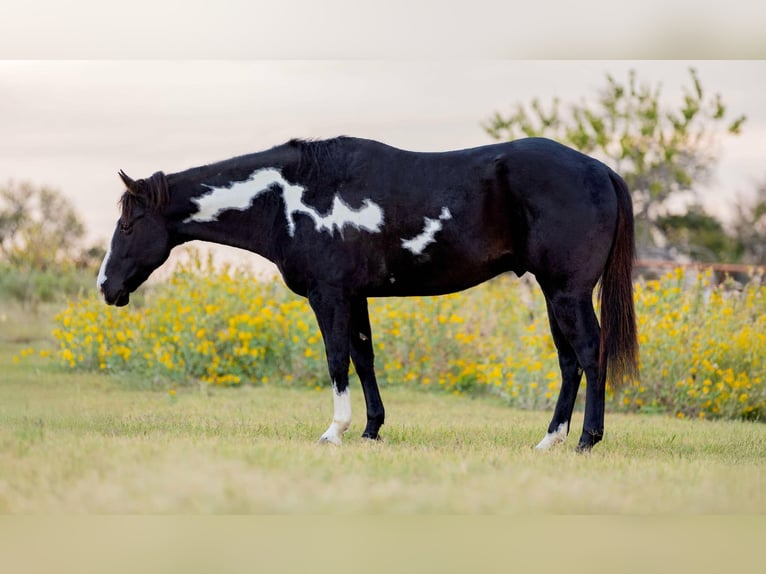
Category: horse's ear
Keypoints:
(129, 183)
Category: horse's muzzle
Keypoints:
(119, 299)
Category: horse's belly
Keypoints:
(441, 275)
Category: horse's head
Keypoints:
(141, 241)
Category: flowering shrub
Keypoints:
(220, 327)
(702, 347)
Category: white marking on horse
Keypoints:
(341, 419)
(431, 227)
(368, 217)
(102, 270)
(554, 438)
(241, 194)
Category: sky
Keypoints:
(400, 29)
(73, 124)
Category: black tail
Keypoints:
(618, 358)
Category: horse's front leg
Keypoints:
(333, 311)
(360, 340)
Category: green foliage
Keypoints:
(225, 328)
(39, 227)
(31, 287)
(699, 235)
(749, 228)
(661, 152)
(41, 258)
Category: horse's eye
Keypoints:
(126, 228)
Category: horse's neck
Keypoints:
(261, 237)
(231, 210)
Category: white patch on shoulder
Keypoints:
(341, 419)
(241, 194)
(432, 226)
(368, 217)
(102, 270)
(554, 438)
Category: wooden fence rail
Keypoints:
(719, 267)
(744, 272)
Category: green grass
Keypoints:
(86, 443)
(82, 443)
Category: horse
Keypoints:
(344, 219)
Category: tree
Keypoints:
(39, 227)
(699, 236)
(661, 153)
(749, 227)
(41, 253)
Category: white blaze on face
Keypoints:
(341, 419)
(553, 438)
(102, 270)
(241, 194)
(431, 227)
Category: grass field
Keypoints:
(75, 443)
(87, 462)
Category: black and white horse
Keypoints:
(346, 219)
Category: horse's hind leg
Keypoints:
(360, 342)
(571, 374)
(577, 322)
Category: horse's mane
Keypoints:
(151, 193)
(316, 157)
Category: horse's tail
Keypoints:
(618, 357)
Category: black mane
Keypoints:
(151, 194)
(321, 159)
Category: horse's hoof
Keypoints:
(588, 440)
(554, 438)
(371, 434)
(330, 439)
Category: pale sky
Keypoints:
(401, 29)
(74, 124)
